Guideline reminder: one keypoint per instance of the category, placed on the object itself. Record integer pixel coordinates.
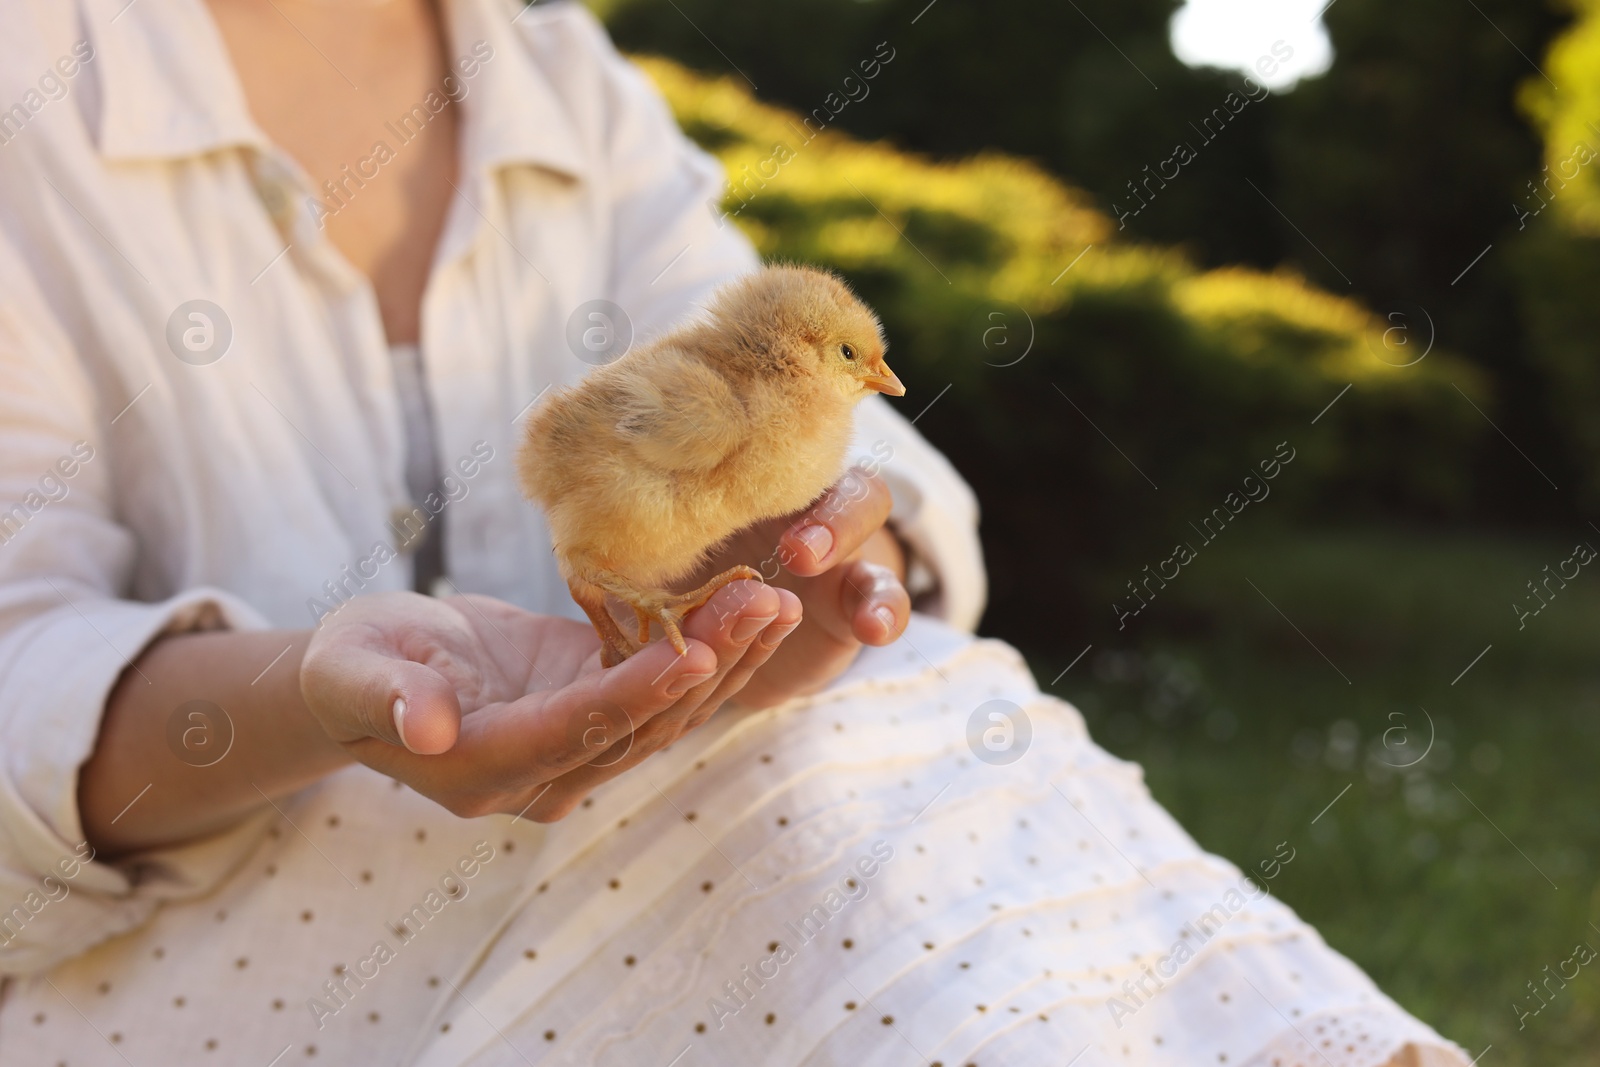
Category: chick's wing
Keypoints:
(680, 414)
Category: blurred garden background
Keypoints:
(1123, 290)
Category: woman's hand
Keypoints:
(848, 571)
(487, 708)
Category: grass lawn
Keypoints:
(1454, 882)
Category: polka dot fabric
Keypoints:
(1350, 1039)
(836, 881)
(230, 978)
(998, 913)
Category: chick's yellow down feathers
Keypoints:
(742, 415)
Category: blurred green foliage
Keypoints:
(1557, 258)
(1095, 387)
(1034, 79)
(1567, 119)
(1405, 164)
(1400, 165)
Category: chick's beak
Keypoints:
(884, 382)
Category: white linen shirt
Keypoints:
(142, 494)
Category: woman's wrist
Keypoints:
(198, 734)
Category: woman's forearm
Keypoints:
(198, 733)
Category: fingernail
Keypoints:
(817, 539)
(400, 722)
(775, 634)
(686, 682)
(885, 614)
(746, 629)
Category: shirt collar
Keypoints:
(512, 113)
(169, 89)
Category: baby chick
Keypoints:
(742, 415)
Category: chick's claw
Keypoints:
(614, 644)
(661, 607)
(687, 602)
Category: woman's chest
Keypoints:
(375, 132)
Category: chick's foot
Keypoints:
(666, 609)
(614, 644)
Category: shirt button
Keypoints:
(278, 190)
(273, 196)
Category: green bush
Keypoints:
(1570, 178)
(1397, 167)
(1556, 258)
(1142, 371)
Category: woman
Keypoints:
(282, 279)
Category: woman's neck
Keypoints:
(325, 80)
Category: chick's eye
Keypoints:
(847, 351)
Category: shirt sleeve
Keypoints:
(68, 631)
(935, 513)
(671, 244)
(674, 246)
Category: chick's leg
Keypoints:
(614, 644)
(668, 609)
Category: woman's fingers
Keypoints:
(553, 745)
(734, 627)
(589, 719)
(507, 752)
(790, 613)
(834, 527)
(656, 677)
(872, 597)
(648, 695)
(424, 713)
(730, 623)
(359, 691)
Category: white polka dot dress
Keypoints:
(840, 880)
